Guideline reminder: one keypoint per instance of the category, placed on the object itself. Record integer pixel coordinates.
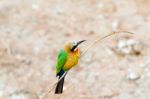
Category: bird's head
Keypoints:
(73, 45)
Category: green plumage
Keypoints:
(61, 60)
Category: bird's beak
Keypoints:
(74, 47)
(80, 42)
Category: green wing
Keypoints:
(61, 60)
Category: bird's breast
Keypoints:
(72, 60)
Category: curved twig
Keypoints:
(100, 39)
(91, 45)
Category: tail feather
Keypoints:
(59, 87)
(60, 84)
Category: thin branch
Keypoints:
(90, 46)
(100, 39)
(54, 85)
(58, 81)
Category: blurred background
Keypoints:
(33, 31)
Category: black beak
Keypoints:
(78, 43)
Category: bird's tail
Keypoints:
(59, 87)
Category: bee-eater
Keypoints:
(67, 58)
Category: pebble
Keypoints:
(35, 6)
(148, 74)
(36, 50)
(129, 47)
(88, 57)
(23, 95)
(115, 25)
(20, 96)
(132, 75)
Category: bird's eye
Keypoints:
(74, 43)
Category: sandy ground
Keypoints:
(33, 31)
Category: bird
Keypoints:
(66, 59)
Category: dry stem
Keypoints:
(90, 46)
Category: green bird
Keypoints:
(67, 58)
